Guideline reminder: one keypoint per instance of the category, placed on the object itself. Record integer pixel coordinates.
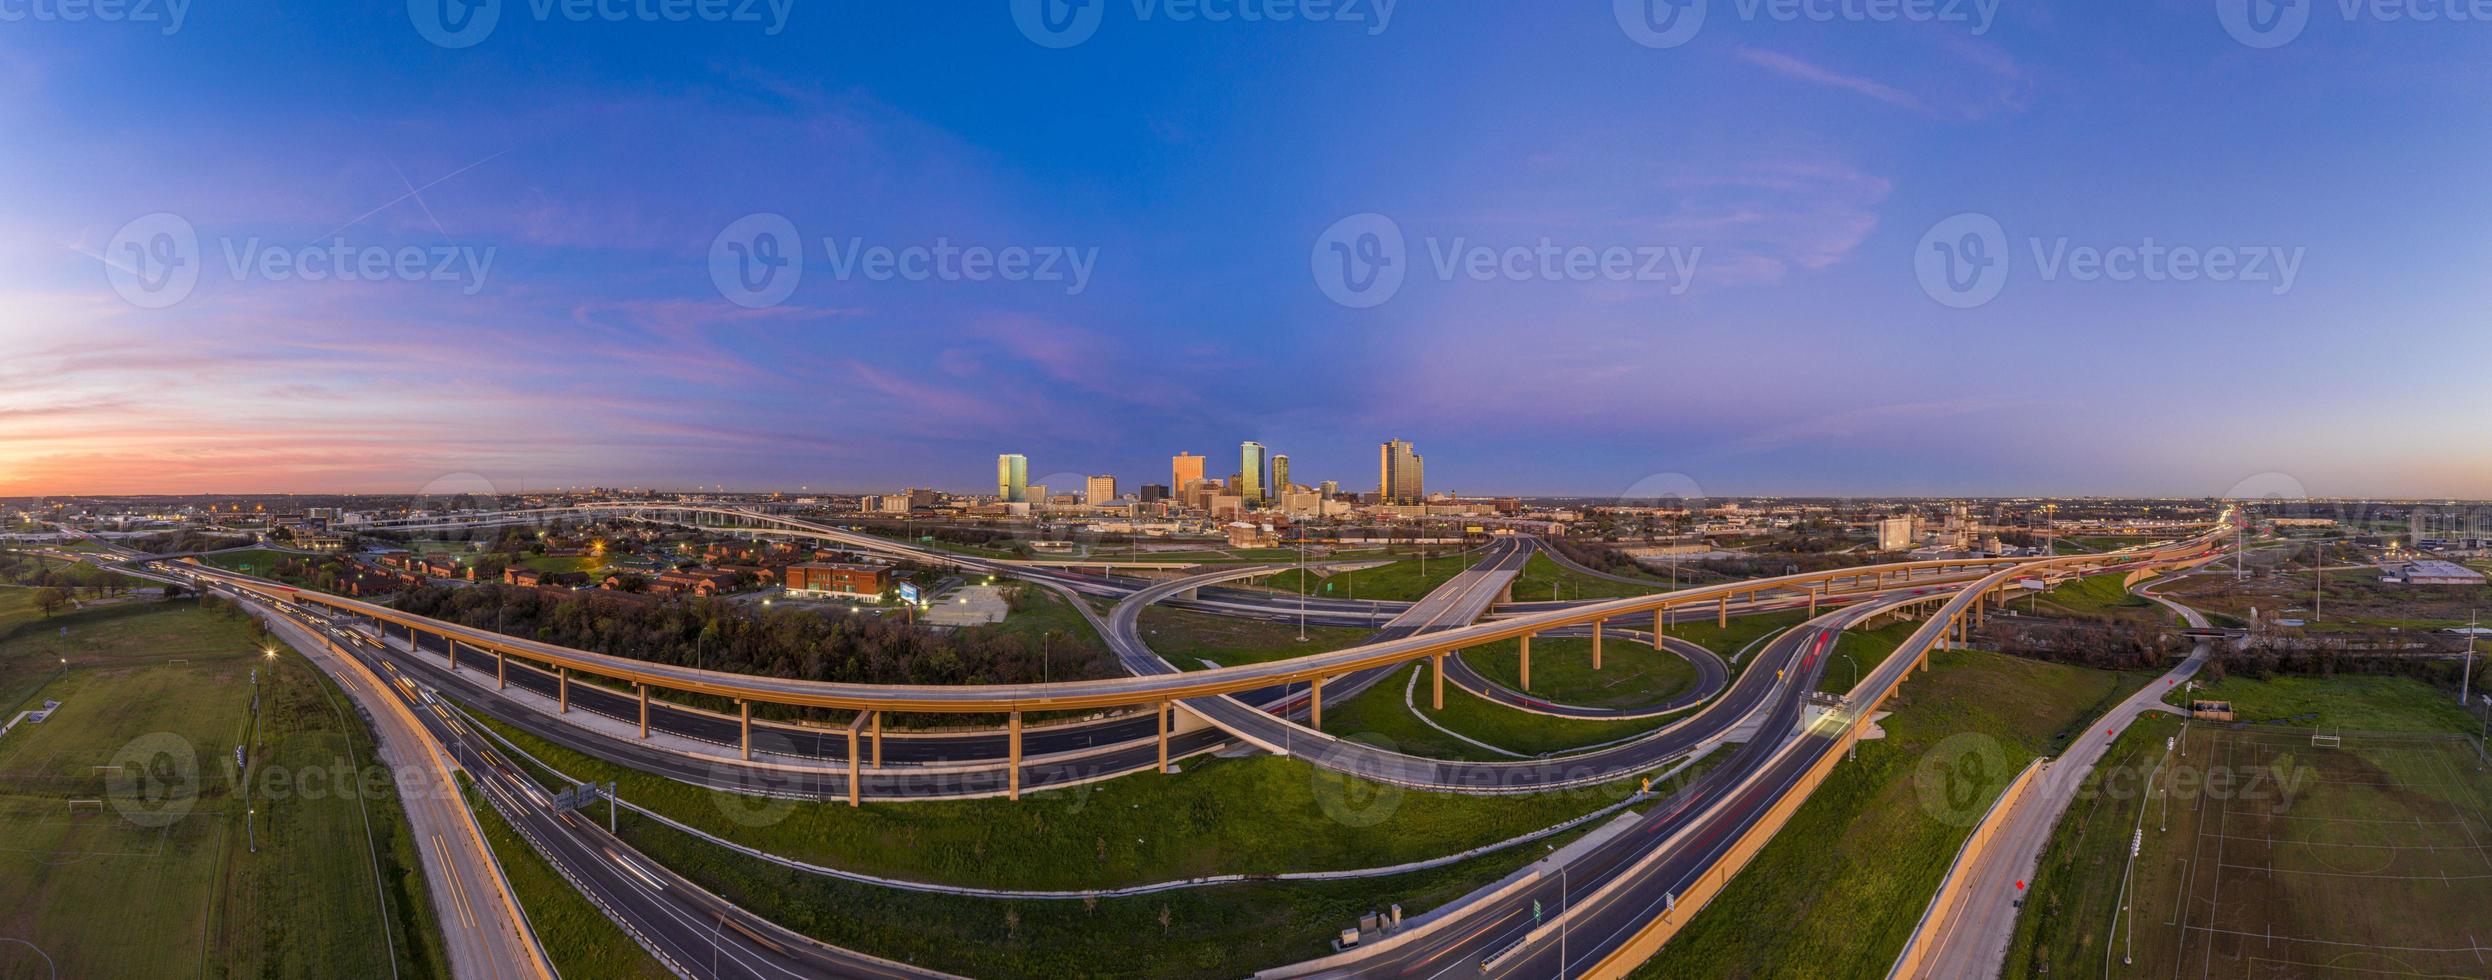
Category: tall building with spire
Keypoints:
(1012, 478)
(1250, 481)
(1400, 474)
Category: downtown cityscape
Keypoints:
(1244, 488)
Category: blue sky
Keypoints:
(573, 179)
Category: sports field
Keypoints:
(127, 837)
(2277, 853)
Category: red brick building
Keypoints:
(841, 579)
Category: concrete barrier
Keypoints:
(1951, 893)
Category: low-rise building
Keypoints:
(839, 579)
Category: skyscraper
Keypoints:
(1399, 474)
(1012, 478)
(1280, 477)
(1250, 484)
(1100, 490)
(1184, 468)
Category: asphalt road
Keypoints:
(1972, 934)
(480, 920)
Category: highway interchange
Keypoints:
(1611, 893)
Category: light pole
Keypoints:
(2466, 678)
(1302, 587)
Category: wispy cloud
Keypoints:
(1790, 67)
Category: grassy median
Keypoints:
(1252, 815)
(1187, 639)
(1221, 930)
(1379, 716)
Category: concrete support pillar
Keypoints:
(1315, 704)
(1812, 601)
(501, 671)
(744, 726)
(878, 740)
(1661, 625)
(1722, 613)
(562, 689)
(856, 792)
(644, 710)
(453, 646)
(1526, 641)
(1013, 758)
(1437, 663)
(1163, 736)
(1596, 644)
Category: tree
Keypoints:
(50, 599)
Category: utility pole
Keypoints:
(2319, 584)
(2466, 679)
(1302, 587)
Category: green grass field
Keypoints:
(1251, 815)
(1631, 674)
(1741, 635)
(591, 564)
(256, 561)
(1225, 930)
(1379, 716)
(161, 881)
(2097, 597)
(1044, 612)
(1859, 652)
(1189, 638)
(576, 935)
(1406, 580)
(2354, 702)
(2268, 854)
(1545, 579)
(1839, 889)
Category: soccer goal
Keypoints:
(2327, 741)
(93, 806)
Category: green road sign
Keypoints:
(1535, 910)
